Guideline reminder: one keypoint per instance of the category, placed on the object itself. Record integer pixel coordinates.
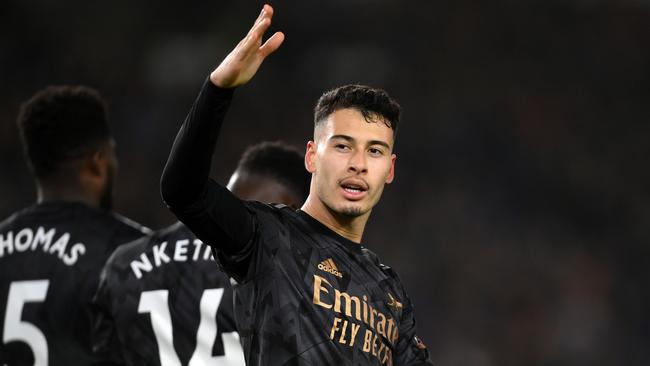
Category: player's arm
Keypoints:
(215, 215)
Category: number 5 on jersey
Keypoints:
(21, 292)
(155, 303)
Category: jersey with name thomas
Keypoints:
(162, 301)
(51, 255)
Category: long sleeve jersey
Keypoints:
(305, 295)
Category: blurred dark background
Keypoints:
(520, 215)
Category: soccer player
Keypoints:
(161, 299)
(51, 253)
(309, 292)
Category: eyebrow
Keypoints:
(370, 143)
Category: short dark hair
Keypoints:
(278, 161)
(60, 123)
(371, 102)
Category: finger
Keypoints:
(253, 41)
(256, 33)
(267, 12)
(272, 44)
(244, 42)
(259, 17)
(260, 28)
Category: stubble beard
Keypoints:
(351, 211)
(344, 210)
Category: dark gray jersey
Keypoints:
(162, 301)
(51, 256)
(306, 296)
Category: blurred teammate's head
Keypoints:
(271, 172)
(68, 144)
(351, 157)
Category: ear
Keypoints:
(391, 172)
(310, 157)
(97, 164)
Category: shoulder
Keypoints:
(276, 208)
(116, 228)
(270, 213)
(7, 223)
(129, 226)
(79, 215)
(132, 250)
(374, 258)
(395, 280)
(175, 230)
(18, 217)
(125, 253)
(387, 270)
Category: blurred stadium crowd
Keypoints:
(520, 214)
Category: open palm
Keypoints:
(242, 62)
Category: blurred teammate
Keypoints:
(51, 253)
(309, 293)
(162, 300)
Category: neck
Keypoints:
(349, 227)
(57, 192)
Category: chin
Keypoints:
(351, 211)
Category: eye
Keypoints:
(342, 147)
(375, 151)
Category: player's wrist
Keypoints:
(218, 80)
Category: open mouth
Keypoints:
(354, 189)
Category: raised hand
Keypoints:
(242, 62)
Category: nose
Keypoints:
(357, 163)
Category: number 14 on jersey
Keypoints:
(155, 303)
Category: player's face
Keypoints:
(350, 160)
